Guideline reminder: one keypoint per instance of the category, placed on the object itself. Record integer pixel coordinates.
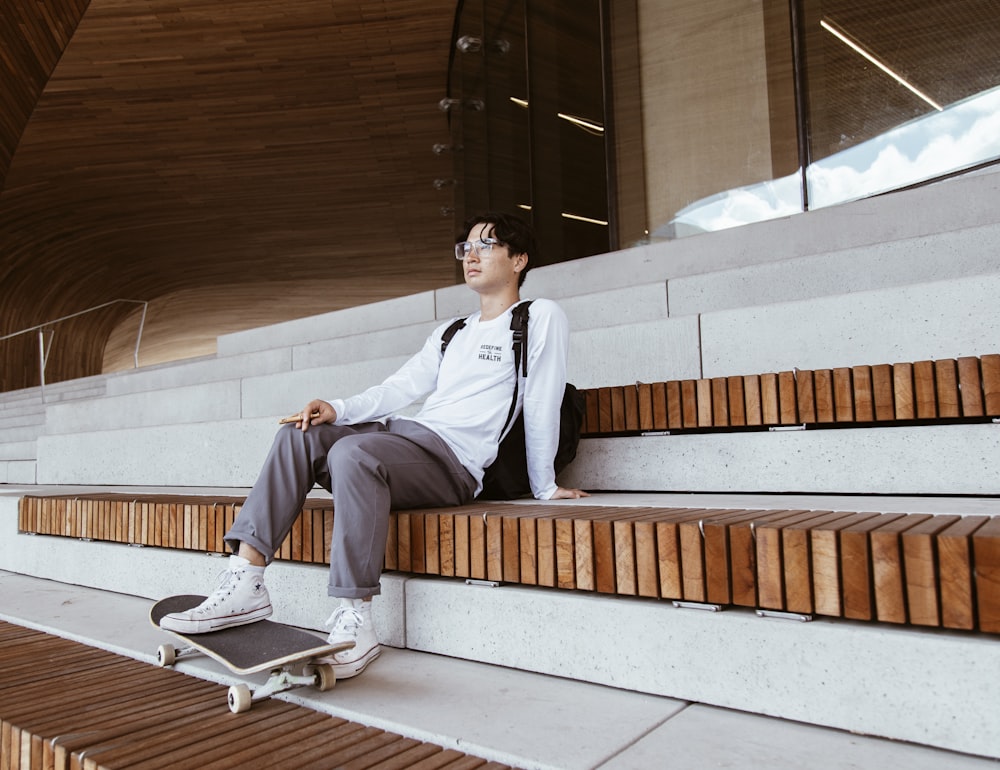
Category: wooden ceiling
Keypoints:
(204, 155)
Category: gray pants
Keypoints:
(371, 469)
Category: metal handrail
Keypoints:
(43, 353)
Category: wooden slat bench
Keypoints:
(66, 705)
(948, 390)
(921, 569)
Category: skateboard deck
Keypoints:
(248, 649)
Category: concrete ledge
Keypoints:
(922, 259)
(199, 454)
(929, 690)
(946, 319)
(650, 352)
(930, 459)
(281, 394)
(199, 371)
(377, 315)
(215, 401)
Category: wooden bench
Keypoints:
(920, 569)
(949, 390)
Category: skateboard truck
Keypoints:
(280, 679)
(319, 675)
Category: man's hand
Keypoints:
(316, 412)
(562, 493)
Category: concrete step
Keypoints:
(832, 673)
(936, 459)
(196, 370)
(18, 450)
(927, 459)
(19, 417)
(527, 720)
(22, 433)
(18, 471)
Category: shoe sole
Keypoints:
(194, 627)
(355, 667)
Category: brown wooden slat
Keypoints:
(668, 551)
(752, 400)
(888, 573)
(796, 554)
(856, 566)
(920, 564)
(787, 399)
(924, 390)
(954, 545)
(715, 535)
(720, 402)
(661, 417)
(903, 391)
(704, 403)
(768, 552)
(737, 401)
(823, 385)
(827, 563)
(843, 395)
(986, 552)
(644, 394)
(806, 394)
(631, 408)
(946, 384)
(605, 420)
(618, 419)
(970, 387)
(689, 404)
(864, 395)
(991, 384)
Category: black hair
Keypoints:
(513, 232)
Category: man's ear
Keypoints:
(520, 261)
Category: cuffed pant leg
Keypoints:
(296, 463)
(408, 466)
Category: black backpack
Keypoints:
(507, 476)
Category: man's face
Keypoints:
(488, 265)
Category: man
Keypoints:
(435, 458)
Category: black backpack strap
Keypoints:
(450, 332)
(519, 327)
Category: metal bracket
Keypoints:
(482, 583)
(697, 606)
(783, 428)
(655, 433)
(778, 615)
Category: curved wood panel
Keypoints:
(202, 148)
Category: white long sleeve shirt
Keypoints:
(469, 389)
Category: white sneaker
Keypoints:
(240, 598)
(352, 622)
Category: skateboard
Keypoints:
(248, 649)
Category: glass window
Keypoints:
(899, 91)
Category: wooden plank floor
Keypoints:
(66, 705)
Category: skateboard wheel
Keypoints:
(240, 698)
(166, 655)
(325, 677)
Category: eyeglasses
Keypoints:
(483, 247)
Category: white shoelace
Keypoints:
(226, 582)
(345, 620)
